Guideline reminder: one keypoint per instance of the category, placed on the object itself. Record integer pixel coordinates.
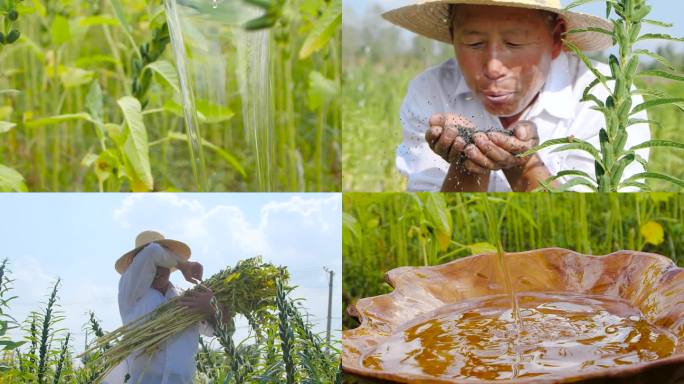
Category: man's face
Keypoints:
(505, 54)
(161, 279)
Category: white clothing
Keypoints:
(557, 113)
(174, 363)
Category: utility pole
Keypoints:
(330, 295)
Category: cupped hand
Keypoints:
(448, 135)
(498, 150)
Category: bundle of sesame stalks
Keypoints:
(247, 289)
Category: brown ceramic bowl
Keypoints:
(649, 282)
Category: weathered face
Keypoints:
(161, 279)
(505, 54)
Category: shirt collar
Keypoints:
(555, 97)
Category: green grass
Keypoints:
(385, 231)
(62, 138)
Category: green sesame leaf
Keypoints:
(577, 3)
(578, 52)
(578, 181)
(658, 143)
(661, 74)
(662, 60)
(658, 36)
(5, 126)
(323, 30)
(658, 23)
(11, 180)
(167, 72)
(590, 29)
(654, 175)
(136, 148)
(654, 103)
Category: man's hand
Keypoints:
(198, 300)
(445, 135)
(192, 271)
(496, 150)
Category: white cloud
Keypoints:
(302, 232)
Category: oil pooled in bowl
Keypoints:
(563, 334)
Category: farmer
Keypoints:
(511, 86)
(144, 286)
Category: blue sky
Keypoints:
(78, 237)
(662, 10)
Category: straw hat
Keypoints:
(430, 18)
(181, 250)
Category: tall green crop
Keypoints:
(614, 157)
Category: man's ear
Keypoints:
(558, 31)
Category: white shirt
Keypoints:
(174, 363)
(557, 113)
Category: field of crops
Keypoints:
(384, 231)
(91, 99)
(378, 65)
(281, 348)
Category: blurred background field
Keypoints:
(388, 230)
(379, 61)
(78, 65)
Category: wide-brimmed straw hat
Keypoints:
(430, 18)
(180, 249)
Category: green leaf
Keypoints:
(619, 168)
(211, 113)
(658, 23)
(654, 103)
(58, 119)
(321, 90)
(658, 143)
(136, 148)
(653, 92)
(577, 3)
(657, 176)
(570, 172)
(578, 52)
(658, 36)
(590, 29)
(167, 72)
(662, 74)
(229, 158)
(578, 181)
(642, 121)
(11, 180)
(74, 77)
(323, 30)
(573, 143)
(10, 92)
(5, 126)
(93, 101)
(662, 60)
(439, 218)
(60, 30)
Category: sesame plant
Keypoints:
(613, 157)
(10, 179)
(92, 100)
(280, 348)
